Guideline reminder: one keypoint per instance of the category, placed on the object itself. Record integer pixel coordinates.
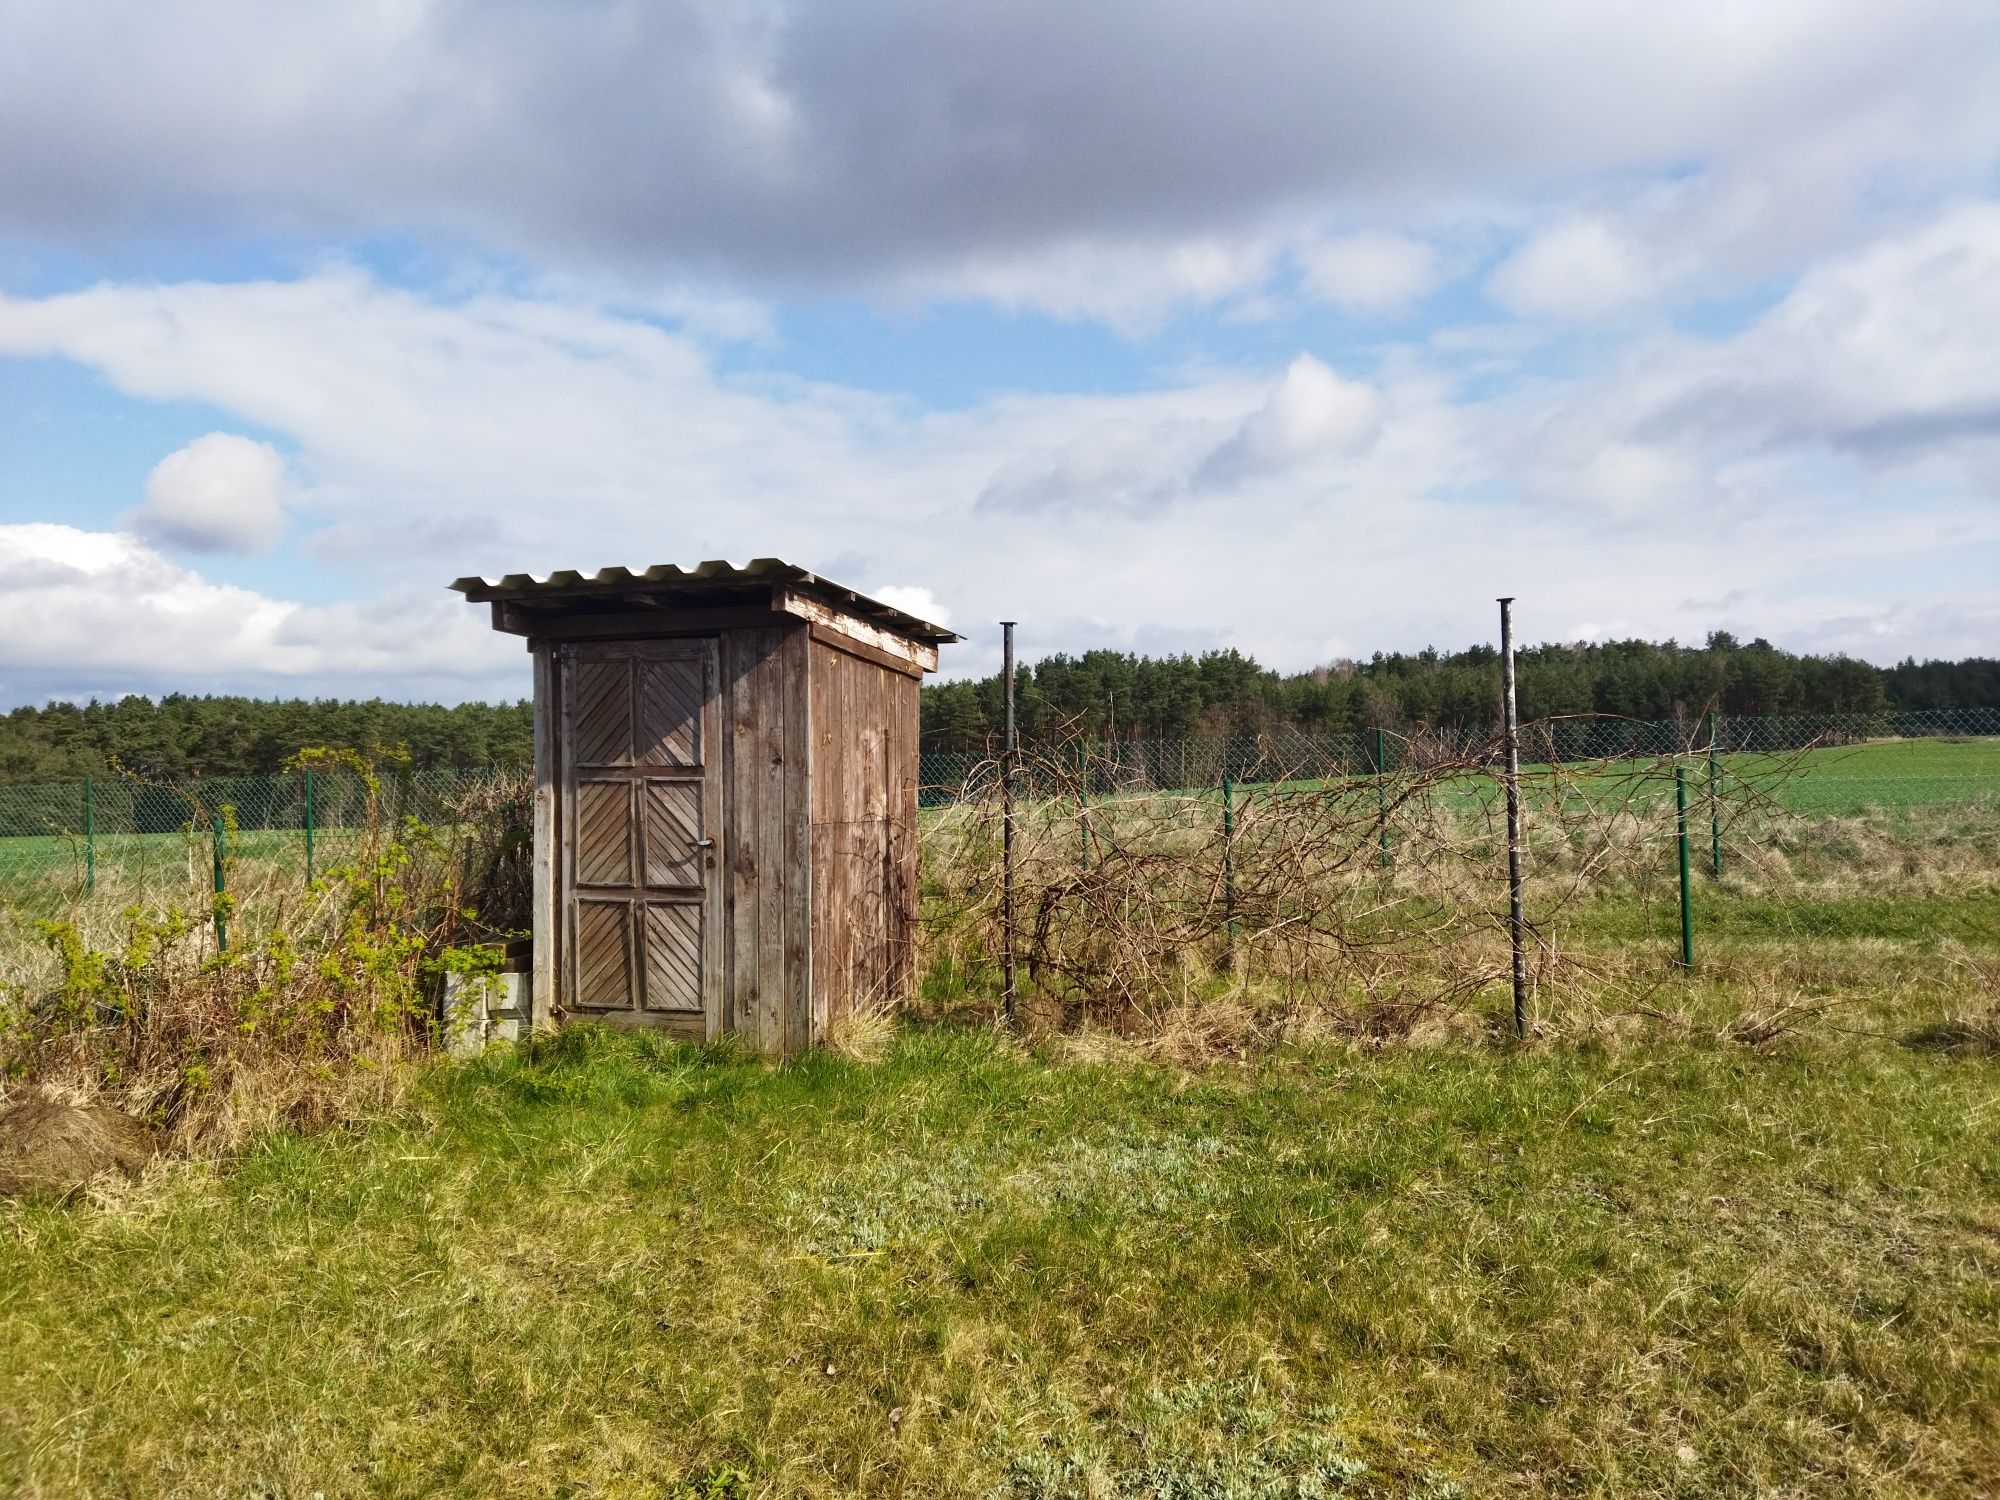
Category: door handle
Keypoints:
(707, 843)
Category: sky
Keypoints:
(1302, 328)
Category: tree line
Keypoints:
(1110, 694)
(1100, 694)
(179, 737)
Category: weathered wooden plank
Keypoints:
(901, 844)
(864, 829)
(602, 846)
(845, 917)
(826, 635)
(760, 884)
(770, 792)
(881, 959)
(920, 654)
(685, 1026)
(823, 771)
(864, 866)
(544, 917)
(828, 812)
(604, 968)
(861, 905)
(673, 936)
(647, 624)
(674, 823)
(566, 821)
(600, 712)
(715, 895)
(672, 693)
(804, 1020)
(739, 656)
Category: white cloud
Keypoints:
(1131, 287)
(1888, 350)
(1631, 480)
(1310, 411)
(1023, 153)
(1147, 454)
(221, 493)
(920, 602)
(1881, 356)
(1271, 509)
(84, 612)
(1372, 272)
(490, 419)
(1583, 268)
(1126, 463)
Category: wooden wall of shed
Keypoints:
(767, 840)
(864, 831)
(546, 897)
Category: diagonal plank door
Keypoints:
(641, 820)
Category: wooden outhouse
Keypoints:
(725, 795)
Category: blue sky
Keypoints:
(1305, 329)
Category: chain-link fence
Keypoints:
(1374, 862)
(126, 838)
(1835, 763)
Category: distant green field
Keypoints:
(127, 864)
(1839, 781)
(1889, 774)
(1834, 782)
(1842, 781)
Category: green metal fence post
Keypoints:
(309, 826)
(1382, 791)
(1229, 861)
(1687, 894)
(221, 920)
(89, 836)
(1714, 804)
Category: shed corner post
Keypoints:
(545, 919)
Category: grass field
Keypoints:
(1890, 774)
(1838, 781)
(1733, 1233)
(614, 1268)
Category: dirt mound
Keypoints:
(49, 1147)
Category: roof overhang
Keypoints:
(667, 597)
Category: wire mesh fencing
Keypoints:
(1894, 759)
(71, 836)
(1372, 861)
(128, 839)
(1209, 835)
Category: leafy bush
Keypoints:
(313, 997)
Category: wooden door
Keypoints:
(642, 821)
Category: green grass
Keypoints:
(1912, 759)
(46, 877)
(1838, 781)
(1889, 774)
(612, 1267)
(1639, 1261)
(1972, 919)
(1834, 781)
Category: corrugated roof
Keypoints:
(666, 579)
